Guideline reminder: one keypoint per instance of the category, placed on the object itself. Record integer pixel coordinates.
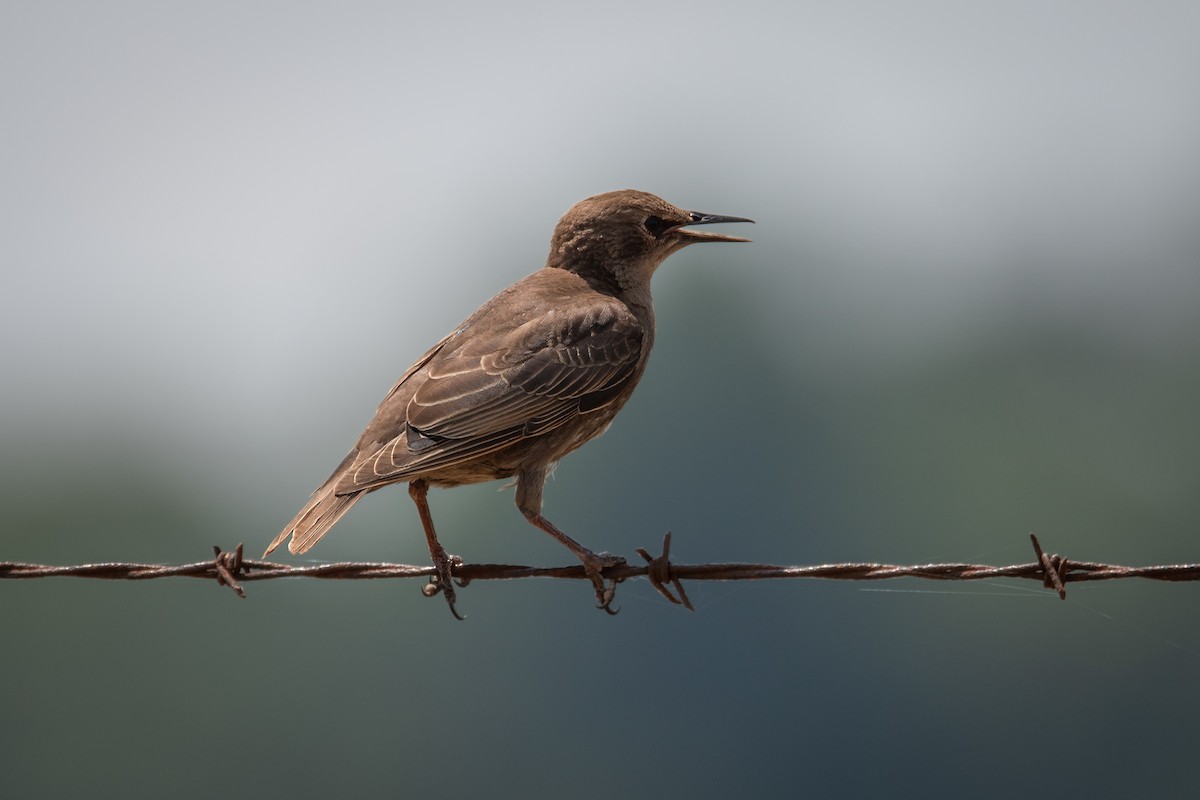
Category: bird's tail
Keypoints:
(322, 510)
(314, 520)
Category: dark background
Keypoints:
(969, 313)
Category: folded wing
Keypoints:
(494, 391)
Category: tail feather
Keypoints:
(319, 514)
(314, 520)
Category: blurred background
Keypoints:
(969, 313)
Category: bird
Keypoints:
(532, 375)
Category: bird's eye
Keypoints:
(656, 226)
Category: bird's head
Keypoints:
(625, 235)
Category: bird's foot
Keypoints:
(443, 582)
(594, 565)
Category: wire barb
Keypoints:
(228, 566)
(659, 574)
(1053, 569)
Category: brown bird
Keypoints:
(538, 370)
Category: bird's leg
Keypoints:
(442, 561)
(530, 483)
(594, 564)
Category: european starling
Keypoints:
(538, 370)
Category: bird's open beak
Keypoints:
(700, 218)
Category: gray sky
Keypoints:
(204, 205)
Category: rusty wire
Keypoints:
(229, 568)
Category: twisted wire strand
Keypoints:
(229, 568)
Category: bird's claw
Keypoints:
(594, 565)
(443, 582)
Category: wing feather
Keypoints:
(492, 392)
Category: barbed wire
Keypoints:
(230, 568)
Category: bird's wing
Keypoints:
(492, 391)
